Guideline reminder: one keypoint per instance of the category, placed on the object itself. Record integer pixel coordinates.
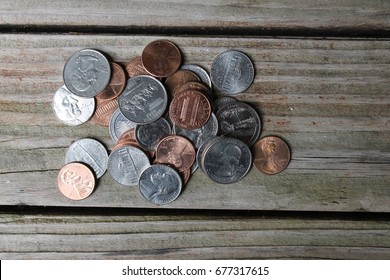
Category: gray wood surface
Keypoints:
(246, 16)
(327, 98)
(183, 236)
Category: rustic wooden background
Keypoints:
(322, 83)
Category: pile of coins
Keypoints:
(165, 122)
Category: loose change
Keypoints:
(165, 122)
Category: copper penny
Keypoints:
(116, 85)
(271, 155)
(104, 111)
(190, 109)
(176, 151)
(161, 58)
(76, 181)
(136, 68)
(178, 78)
(185, 175)
(128, 139)
(198, 86)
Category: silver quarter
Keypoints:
(232, 72)
(160, 184)
(239, 120)
(144, 99)
(87, 72)
(200, 135)
(199, 71)
(118, 125)
(125, 165)
(227, 160)
(148, 135)
(90, 152)
(72, 109)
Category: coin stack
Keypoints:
(165, 122)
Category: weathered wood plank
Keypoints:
(190, 237)
(328, 98)
(253, 17)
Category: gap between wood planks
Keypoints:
(357, 33)
(193, 213)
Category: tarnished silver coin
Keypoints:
(160, 184)
(118, 125)
(200, 135)
(72, 109)
(199, 71)
(90, 152)
(222, 101)
(125, 165)
(148, 135)
(232, 72)
(87, 72)
(201, 149)
(144, 99)
(227, 160)
(239, 120)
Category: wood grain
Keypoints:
(188, 236)
(327, 98)
(281, 17)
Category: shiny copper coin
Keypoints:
(161, 58)
(76, 181)
(178, 78)
(103, 112)
(176, 151)
(271, 155)
(136, 68)
(198, 86)
(190, 109)
(116, 85)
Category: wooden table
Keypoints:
(322, 84)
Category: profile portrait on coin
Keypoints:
(86, 73)
(158, 186)
(228, 160)
(271, 159)
(71, 108)
(82, 187)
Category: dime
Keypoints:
(239, 120)
(160, 184)
(76, 181)
(190, 109)
(72, 109)
(176, 151)
(200, 72)
(201, 149)
(87, 72)
(136, 68)
(104, 111)
(232, 72)
(90, 152)
(161, 58)
(271, 155)
(226, 160)
(125, 164)
(118, 125)
(200, 135)
(116, 85)
(148, 135)
(178, 78)
(144, 99)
